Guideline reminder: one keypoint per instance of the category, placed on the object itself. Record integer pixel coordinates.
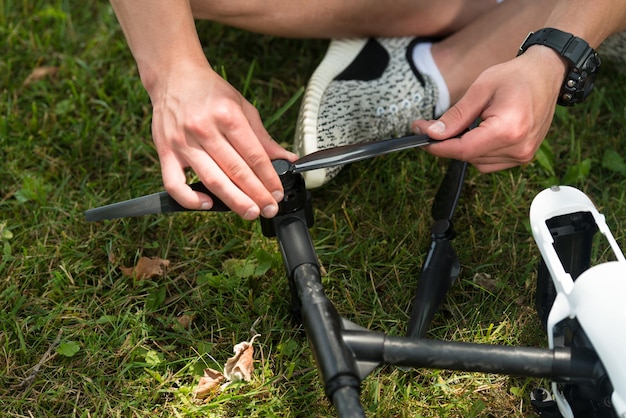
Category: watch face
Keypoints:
(591, 64)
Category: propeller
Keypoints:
(162, 202)
(151, 204)
(441, 266)
(346, 154)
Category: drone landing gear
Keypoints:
(441, 265)
(347, 353)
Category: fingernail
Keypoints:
(251, 214)
(278, 195)
(270, 211)
(417, 130)
(206, 206)
(438, 127)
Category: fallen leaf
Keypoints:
(186, 320)
(208, 383)
(68, 348)
(40, 73)
(485, 281)
(146, 268)
(240, 366)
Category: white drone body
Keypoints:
(597, 298)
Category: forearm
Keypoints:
(161, 35)
(591, 21)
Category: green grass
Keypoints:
(80, 138)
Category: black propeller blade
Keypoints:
(345, 154)
(441, 266)
(150, 204)
(162, 202)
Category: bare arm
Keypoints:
(516, 99)
(594, 22)
(199, 120)
(161, 35)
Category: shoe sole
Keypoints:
(340, 54)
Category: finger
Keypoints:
(213, 178)
(237, 176)
(455, 149)
(492, 167)
(456, 119)
(274, 151)
(260, 177)
(217, 181)
(175, 183)
(479, 142)
(468, 149)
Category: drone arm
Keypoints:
(336, 362)
(560, 364)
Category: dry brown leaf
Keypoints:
(146, 268)
(186, 320)
(208, 383)
(238, 368)
(40, 73)
(485, 281)
(241, 365)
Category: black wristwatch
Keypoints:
(582, 59)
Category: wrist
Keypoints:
(582, 62)
(156, 77)
(550, 68)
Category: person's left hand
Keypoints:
(515, 101)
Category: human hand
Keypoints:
(203, 123)
(515, 102)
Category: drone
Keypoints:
(581, 306)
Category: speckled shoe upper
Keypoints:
(364, 90)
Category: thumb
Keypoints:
(454, 121)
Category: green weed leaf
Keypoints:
(577, 172)
(68, 348)
(5, 234)
(33, 189)
(156, 298)
(153, 358)
(241, 269)
(517, 391)
(611, 160)
(52, 12)
(264, 262)
(545, 157)
(477, 408)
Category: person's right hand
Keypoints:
(515, 102)
(201, 122)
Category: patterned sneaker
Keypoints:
(363, 90)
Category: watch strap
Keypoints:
(583, 62)
(572, 48)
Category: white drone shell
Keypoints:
(597, 299)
